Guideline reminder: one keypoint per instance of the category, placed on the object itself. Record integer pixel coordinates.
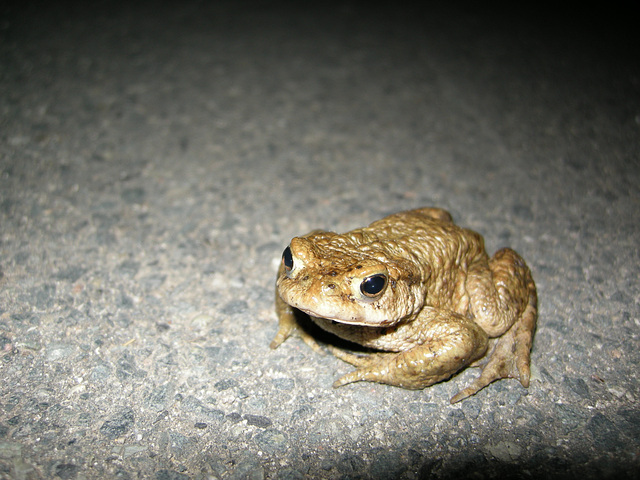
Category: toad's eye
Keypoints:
(373, 285)
(287, 259)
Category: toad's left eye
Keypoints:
(287, 259)
(373, 285)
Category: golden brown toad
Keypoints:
(420, 291)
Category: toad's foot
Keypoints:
(361, 361)
(510, 356)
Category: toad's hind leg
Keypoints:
(504, 304)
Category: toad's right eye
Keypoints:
(287, 259)
(373, 285)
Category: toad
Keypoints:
(420, 293)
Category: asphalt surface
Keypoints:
(155, 160)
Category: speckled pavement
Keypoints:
(156, 159)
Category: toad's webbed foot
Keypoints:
(509, 357)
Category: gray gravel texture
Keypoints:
(156, 159)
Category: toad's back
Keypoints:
(429, 239)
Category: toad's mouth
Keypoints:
(334, 316)
(344, 319)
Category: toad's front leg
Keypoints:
(449, 342)
(287, 324)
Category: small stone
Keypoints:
(128, 267)
(192, 404)
(66, 471)
(234, 417)
(291, 474)
(119, 424)
(201, 321)
(471, 408)
(160, 396)
(258, 421)
(286, 384)
(302, 413)
(170, 475)
(578, 386)
(248, 469)
(505, 451)
(58, 351)
(351, 463)
(100, 373)
(130, 450)
(571, 417)
(225, 384)
(5, 343)
(70, 274)
(178, 442)
(604, 432)
(271, 441)
(127, 368)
